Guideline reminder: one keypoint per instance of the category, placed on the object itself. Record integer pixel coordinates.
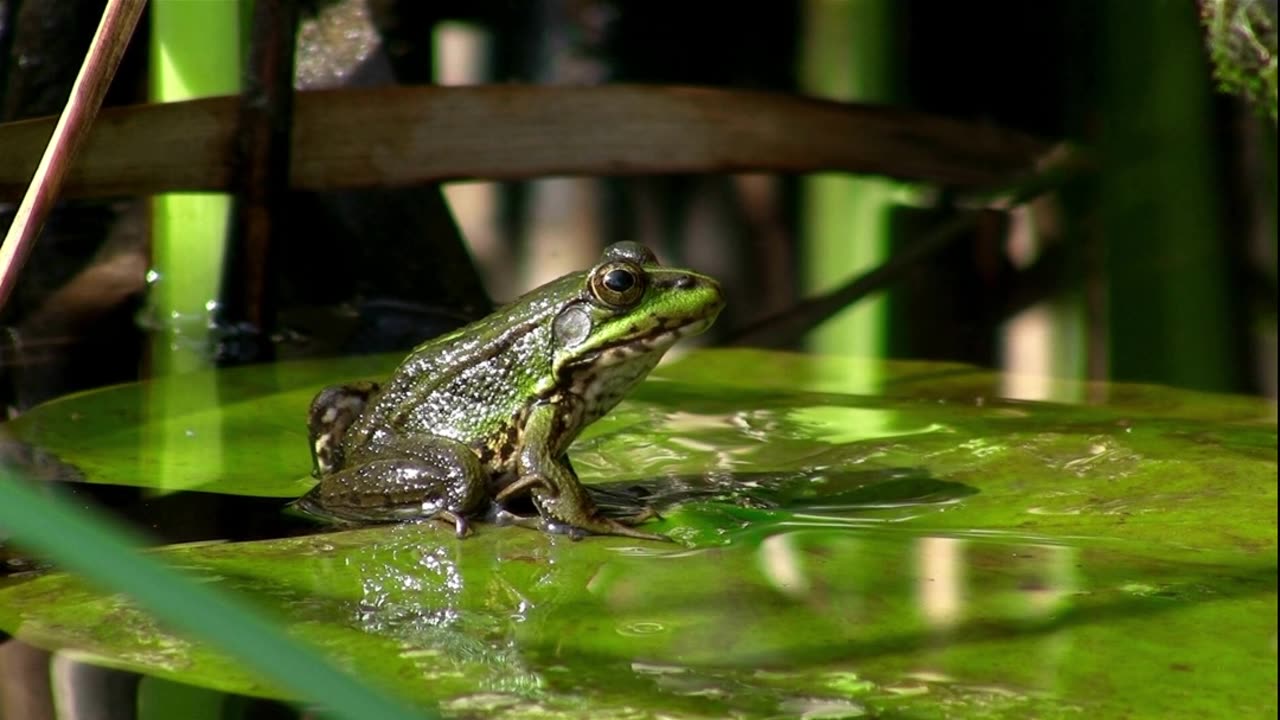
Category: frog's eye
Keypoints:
(617, 284)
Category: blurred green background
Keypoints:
(1157, 264)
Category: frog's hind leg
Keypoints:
(410, 479)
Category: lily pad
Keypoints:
(857, 539)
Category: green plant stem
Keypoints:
(845, 221)
(106, 555)
(196, 51)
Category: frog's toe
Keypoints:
(499, 515)
(574, 533)
(619, 528)
(643, 515)
(461, 527)
(528, 482)
(608, 526)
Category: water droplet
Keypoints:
(641, 628)
(848, 683)
(649, 669)
(822, 709)
(637, 551)
(907, 690)
(483, 702)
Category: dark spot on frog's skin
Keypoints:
(486, 455)
(507, 450)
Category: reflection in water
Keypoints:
(940, 580)
(446, 628)
(829, 602)
(800, 621)
(767, 624)
(840, 425)
(792, 622)
(826, 600)
(780, 563)
(408, 602)
(836, 494)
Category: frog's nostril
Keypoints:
(684, 282)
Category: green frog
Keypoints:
(484, 416)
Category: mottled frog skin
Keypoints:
(484, 416)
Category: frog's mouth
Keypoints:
(664, 334)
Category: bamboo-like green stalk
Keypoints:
(1170, 310)
(845, 220)
(196, 51)
(107, 555)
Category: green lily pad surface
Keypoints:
(855, 539)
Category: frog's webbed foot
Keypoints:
(608, 526)
(499, 515)
(578, 520)
(595, 526)
(624, 507)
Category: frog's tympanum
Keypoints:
(482, 417)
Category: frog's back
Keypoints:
(474, 383)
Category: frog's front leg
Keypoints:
(559, 497)
(527, 483)
(403, 479)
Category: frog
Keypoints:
(480, 418)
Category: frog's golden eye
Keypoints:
(617, 284)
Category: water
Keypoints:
(779, 622)
(907, 552)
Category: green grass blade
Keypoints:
(85, 544)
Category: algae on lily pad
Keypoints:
(857, 539)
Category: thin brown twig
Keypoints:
(110, 40)
(261, 162)
(787, 327)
